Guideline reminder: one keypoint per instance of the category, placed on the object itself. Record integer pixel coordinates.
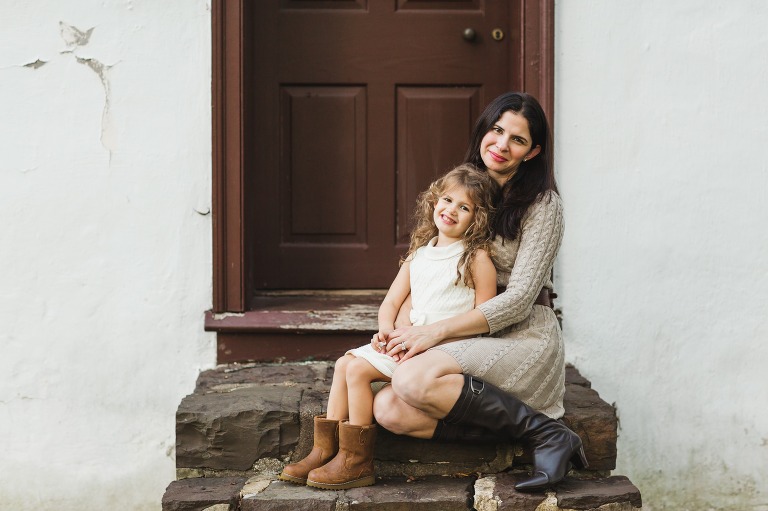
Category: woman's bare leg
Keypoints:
(395, 415)
(338, 406)
(360, 375)
(424, 389)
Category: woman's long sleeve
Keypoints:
(540, 236)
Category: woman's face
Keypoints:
(506, 145)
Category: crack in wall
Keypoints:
(75, 38)
(107, 129)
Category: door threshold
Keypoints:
(297, 325)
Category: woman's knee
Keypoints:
(412, 385)
(386, 411)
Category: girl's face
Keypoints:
(454, 213)
(506, 145)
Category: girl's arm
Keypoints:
(483, 277)
(393, 301)
(404, 315)
(461, 326)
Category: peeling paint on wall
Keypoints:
(36, 64)
(73, 36)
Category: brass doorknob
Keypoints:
(470, 34)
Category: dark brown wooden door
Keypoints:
(351, 109)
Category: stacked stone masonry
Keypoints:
(244, 422)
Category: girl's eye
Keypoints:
(446, 199)
(465, 208)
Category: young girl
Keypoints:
(447, 271)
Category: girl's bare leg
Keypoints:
(338, 406)
(360, 374)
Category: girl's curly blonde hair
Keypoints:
(482, 190)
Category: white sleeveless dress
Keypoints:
(435, 295)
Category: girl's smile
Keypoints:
(454, 213)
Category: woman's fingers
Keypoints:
(396, 346)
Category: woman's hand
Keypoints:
(415, 339)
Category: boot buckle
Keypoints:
(472, 381)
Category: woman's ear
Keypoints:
(532, 153)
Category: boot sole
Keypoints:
(357, 483)
(291, 479)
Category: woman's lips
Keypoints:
(497, 157)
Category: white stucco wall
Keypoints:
(105, 245)
(662, 143)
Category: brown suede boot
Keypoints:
(353, 465)
(325, 447)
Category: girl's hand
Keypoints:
(379, 340)
(415, 339)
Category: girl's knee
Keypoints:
(340, 367)
(360, 369)
(344, 360)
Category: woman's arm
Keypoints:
(540, 235)
(419, 339)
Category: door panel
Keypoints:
(433, 125)
(352, 108)
(323, 204)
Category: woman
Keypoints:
(510, 382)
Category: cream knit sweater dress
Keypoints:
(523, 352)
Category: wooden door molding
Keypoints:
(531, 70)
(229, 263)
(533, 63)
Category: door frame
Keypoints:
(532, 66)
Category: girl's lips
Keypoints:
(447, 220)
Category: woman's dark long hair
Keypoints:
(533, 178)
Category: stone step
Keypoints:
(484, 493)
(241, 416)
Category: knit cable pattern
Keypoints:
(528, 268)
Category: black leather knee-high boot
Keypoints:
(482, 405)
(445, 432)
